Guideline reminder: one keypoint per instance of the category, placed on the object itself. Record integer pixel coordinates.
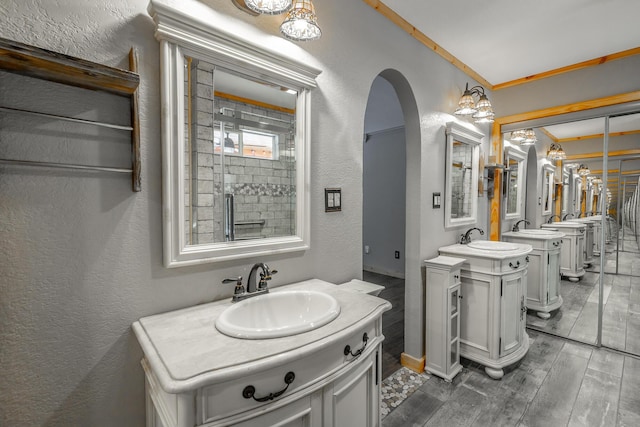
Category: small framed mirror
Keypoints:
(514, 180)
(235, 138)
(461, 196)
(547, 188)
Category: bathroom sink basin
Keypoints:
(492, 245)
(278, 314)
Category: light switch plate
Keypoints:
(332, 199)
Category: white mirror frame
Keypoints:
(516, 153)
(548, 169)
(457, 132)
(196, 30)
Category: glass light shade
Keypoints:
(583, 170)
(466, 105)
(301, 23)
(518, 135)
(484, 111)
(556, 152)
(268, 7)
(530, 137)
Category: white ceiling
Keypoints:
(504, 40)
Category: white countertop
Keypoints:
(549, 235)
(186, 351)
(465, 251)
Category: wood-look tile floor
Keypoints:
(558, 383)
(392, 320)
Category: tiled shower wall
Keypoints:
(264, 190)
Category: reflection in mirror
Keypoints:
(565, 190)
(514, 179)
(462, 175)
(597, 199)
(240, 162)
(547, 189)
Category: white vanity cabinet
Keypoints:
(493, 286)
(589, 237)
(543, 277)
(572, 249)
(442, 310)
(327, 377)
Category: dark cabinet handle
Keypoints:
(527, 258)
(249, 391)
(556, 244)
(455, 276)
(516, 265)
(347, 348)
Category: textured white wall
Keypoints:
(81, 253)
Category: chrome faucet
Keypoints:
(261, 286)
(466, 237)
(240, 293)
(550, 220)
(515, 226)
(565, 217)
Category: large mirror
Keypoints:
(514, 180)
(461, 198)
(235, 135)
(599, 307)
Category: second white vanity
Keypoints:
(493, 286)
(543, 281)
(572, 249)
(328, 376)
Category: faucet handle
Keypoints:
(238, 281)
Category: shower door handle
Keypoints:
(229, 220)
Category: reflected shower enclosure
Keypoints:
(239, 160)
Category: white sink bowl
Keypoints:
(492, 245)
(278, 314)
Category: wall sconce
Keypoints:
(482, 112)
(524, 136)
(556, 152)
(300, 23)
(583, 170)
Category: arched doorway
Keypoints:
(391, 133)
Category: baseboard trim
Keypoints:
(410, 362)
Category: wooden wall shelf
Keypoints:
(19, 58)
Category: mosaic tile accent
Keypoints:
(397, 387)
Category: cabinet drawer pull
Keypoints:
(347, 349)
(249, 391)
(527, 258)
(556, 244)
(455, 276)
(516, 265)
